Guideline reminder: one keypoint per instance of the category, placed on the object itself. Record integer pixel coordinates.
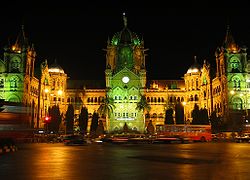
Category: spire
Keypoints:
(229, 42)
(125, 21)
(21, 41)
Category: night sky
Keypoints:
(75, 35)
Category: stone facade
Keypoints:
(226, 92)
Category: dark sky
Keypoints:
(76, 34)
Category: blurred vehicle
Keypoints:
(119, 139)
(242, 138)
(189, 132)
(139, 139)
(163, 139)
(74, 140)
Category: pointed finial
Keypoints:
(125, 21)
(195, 60)
(55, 61)
(228, 30)
(108, 41)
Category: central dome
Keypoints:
(195, 67)
(125, 36)
(56, 68)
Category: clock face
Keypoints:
(125, 79)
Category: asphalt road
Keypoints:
(196, 161)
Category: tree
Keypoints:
(83, 120)
(216, 122)
(150, 127)
(196, 115)
(100, 128)
(200, 116)
(204, 119)
(69, 119)
(169, 116)
(94, 123)
(179, 113)
(55, 119)
(143, 106)
(106, 108)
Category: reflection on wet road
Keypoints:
(144, 161)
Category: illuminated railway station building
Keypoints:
(227, 92)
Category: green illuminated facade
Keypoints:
(125, 79)
(233, 70)
(16, 70)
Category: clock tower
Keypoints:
(125, 79)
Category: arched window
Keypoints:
(237, 103)
(196, 97)
(15, 64)
(14, 82)
(236, 82)
(191, 98)
(235, 65)
(154, 115)
(170, 99)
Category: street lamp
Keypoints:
(46, 90)
(44, 105)
(59, 92)
(46, 123)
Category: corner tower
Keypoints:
(18, 69)
(125, 79)
(233, 74)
